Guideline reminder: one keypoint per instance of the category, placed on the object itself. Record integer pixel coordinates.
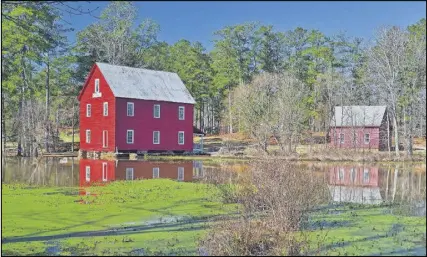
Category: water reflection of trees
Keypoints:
(41, 171)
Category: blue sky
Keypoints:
(196, 21)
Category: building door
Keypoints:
(105, 138)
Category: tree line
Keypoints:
(256, 79)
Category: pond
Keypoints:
(42, 211)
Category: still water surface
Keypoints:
(355, 183)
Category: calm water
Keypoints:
(356, 183)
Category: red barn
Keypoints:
(359, 127)
(130, 109)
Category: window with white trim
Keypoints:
(156, 137)
(365, 175)
(96, 85)
(104, 171)
(156, 111)
(341, 174)
(88, 136)
(130, 109)
(105, 108)
(180, 173)
(181, 137)
(367, 138)
(88, 110)
(105, 138)
(181, 113)
(129, 136)
(129, 173)
(87, 173)
(341, 138)
(156, 172)
(353, 173)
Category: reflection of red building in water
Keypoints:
(356, 184)
(103, 171)
(353, 176)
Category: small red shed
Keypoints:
(130, 109)
(359, 127)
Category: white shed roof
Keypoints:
(136, 83)
(358, 116)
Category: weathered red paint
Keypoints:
(143, 123)
(371, 179)
(357, 141)
(354, 136)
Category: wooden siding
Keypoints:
(358, 141)
(97, 123)
(143, 123)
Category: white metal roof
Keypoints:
(136, 83)
(358, 116)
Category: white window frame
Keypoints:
(88, 135)
(369, 138)
(183, 112)
(154, 111)
(88, 110)
(156, 172)
(341, 174)
(353, 174)
(129, 173)
(127, 136)
(183, 140)
(104, 171)
(154, 132)
(97, 87)
(342, 138)
(133, 109)
(105, 109)
(365, 175)
(180, 173)
(105, 138)
(87, 173)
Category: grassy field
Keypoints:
(119, 218)
(164, 217)
(367, 230)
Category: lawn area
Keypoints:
(67, 136)
(368, 230)
(154, 216)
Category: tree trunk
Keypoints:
(388, 133)
(396, 135)
(72, 124)
(230, 128)
(3, 127)
(46, 132)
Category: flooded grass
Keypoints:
(32, 215)
(341, 209)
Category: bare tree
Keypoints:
(385, 65)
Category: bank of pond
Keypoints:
(57, 206)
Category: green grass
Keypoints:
(67, 137)
(368, 230)
(31, 214)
